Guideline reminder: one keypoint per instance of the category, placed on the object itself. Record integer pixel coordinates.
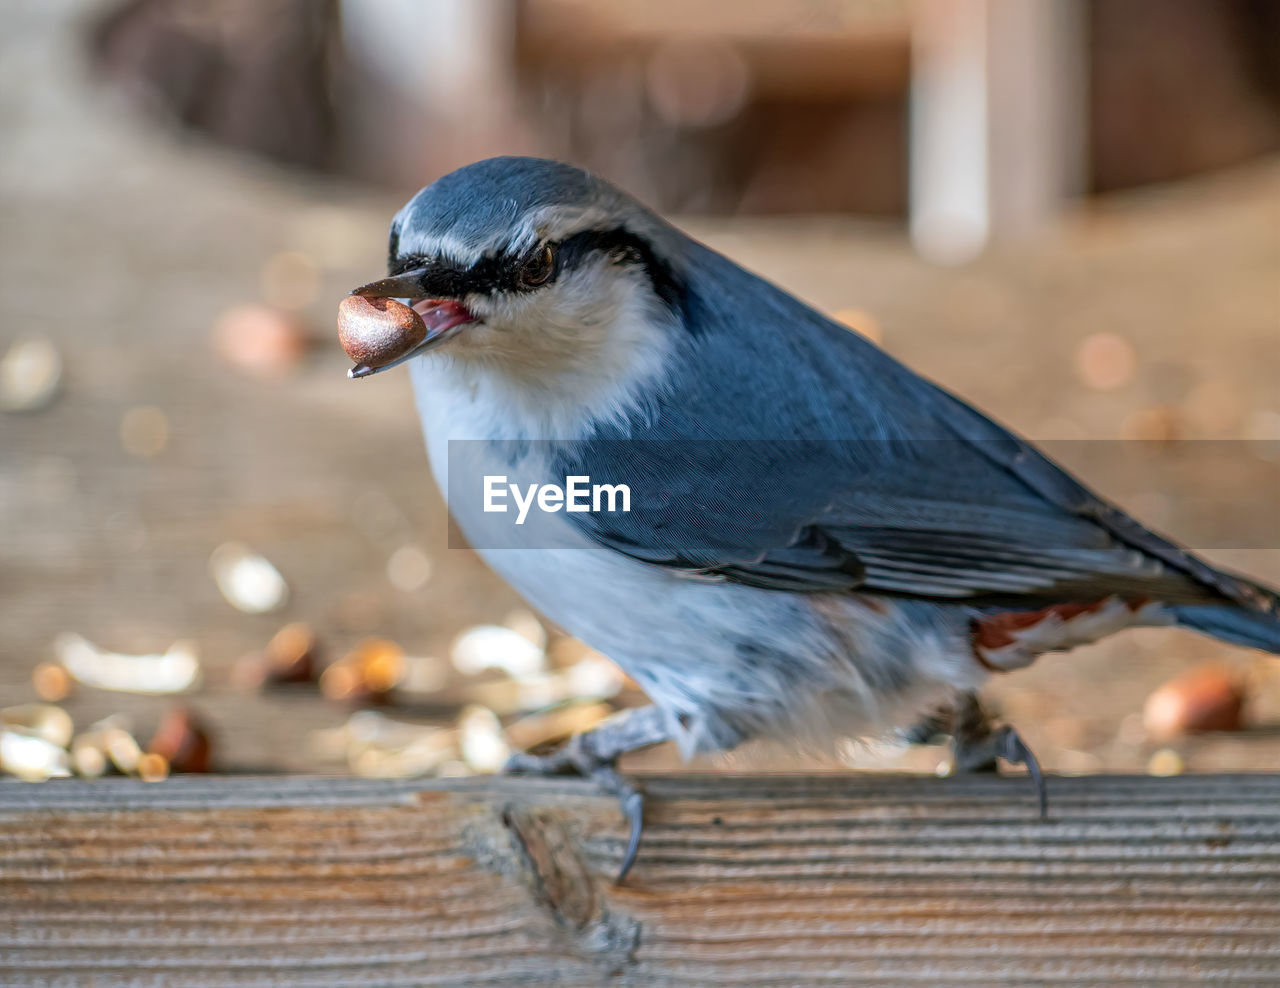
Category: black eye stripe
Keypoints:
(496, 273)
(486, 276)
(623, 247)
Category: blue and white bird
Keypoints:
(821, 542)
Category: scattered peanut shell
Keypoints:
(289, 658)
(109, 743)
(248, 581)
(182, 741)
(173, 672)
(51, 681)
(291, 654)
(483, 746)
(87, 757)
(152, 767)
(371, 670)
(89, 748)
(31, 757)
(381, 664)
(42, 720)
(595, 677)
(1207, 698)
(377, 331)
(491, 646)
(122, 748)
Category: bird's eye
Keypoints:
(539, 267)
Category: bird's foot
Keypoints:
(572, 758)
(1008, 744)
(981, 754)
(978, 746)
(594, 755)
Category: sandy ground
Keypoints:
(123, 245)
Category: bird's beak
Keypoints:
(422, 288)
(410, 284)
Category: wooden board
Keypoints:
(742, 880)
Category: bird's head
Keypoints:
(536, 269)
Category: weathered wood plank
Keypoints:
(742, 880)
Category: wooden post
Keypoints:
(742, 880)
(998, 111)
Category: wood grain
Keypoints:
(742, 880)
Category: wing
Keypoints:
(925, 518)
(791, 454)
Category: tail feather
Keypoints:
(1233, 623)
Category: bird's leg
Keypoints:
(972, 727)
(977, 744)
(594, 755)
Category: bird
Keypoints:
(820, 543)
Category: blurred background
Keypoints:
(216, 552)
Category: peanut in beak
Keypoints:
(375, 332)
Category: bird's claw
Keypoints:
(574, 757)
(632, 806)
(977, 744)
(1008, 744)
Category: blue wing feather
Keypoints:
(790, 453)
